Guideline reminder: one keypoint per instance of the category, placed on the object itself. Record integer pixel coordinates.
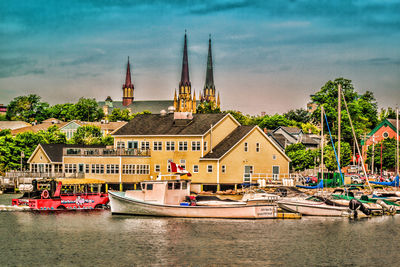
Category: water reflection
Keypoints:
(98, 238)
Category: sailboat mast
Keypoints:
(397, 143)
(339, 120)
(322, 143)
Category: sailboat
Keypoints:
(314, 206)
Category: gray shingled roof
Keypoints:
(155, 124)
(308, 140)
(278, 138)
(228, 142)
(291, 130)
(55, 151)
(154, 106)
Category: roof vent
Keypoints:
(171, 109)
(163, 112)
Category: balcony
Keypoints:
(104, 152)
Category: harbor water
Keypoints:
(96, 238)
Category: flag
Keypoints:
(178, 169)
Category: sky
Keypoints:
(269, 56)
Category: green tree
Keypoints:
(107, 140)
(330, 158)
(64, 112)
(27, 108)
(119, 115)
(388, 113)
(242, 119)
(3, 117)
(208, 107)
(298, 115)
(274, 121)
(87, 135)
(26, 142)
(388, 154)
(301, 157)
(87, 110)
(362, 108)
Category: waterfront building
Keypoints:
(385, 129)
(218, 152)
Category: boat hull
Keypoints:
(124, 205)
(313, 209)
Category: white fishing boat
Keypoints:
(312, 207)
(172, 198)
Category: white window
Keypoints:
(183, 163)
(87, 168)
(195, 168)
(128, 169)
(145, 145)
(143, 169)
(196, 146)
(112, 168)
(223, 168)
(157, 168)
(169, 165)
(170, 146)
(257, 147)
(183, 146)
(205, 146)
(157, 146)
(273, 156)
(246, 147)
(121, 144)
(209, 168)
(70, 168)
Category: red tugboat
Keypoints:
(65, 194)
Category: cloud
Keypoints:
(212, 7)
(12, 67)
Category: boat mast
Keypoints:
(397, 143)
(339, 120)
(355, 140)
(322, 143)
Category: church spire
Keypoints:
(127, 88)
(185, 81)
(209, 87)
(209, 73)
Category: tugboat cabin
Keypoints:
(168, 192)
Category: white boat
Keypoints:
(170, 198)
(312, 207)
(259, 196)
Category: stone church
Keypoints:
(184, 101)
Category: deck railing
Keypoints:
(104, 152)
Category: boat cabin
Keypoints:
(168, 192)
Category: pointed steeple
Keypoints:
(209, 73)
(127, 88)
(185, 81)
(128, 81)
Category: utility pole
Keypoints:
(339, 121)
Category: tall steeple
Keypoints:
(209, 87)
(209, 73)
(127, 88)
(185, 81)
(185, 102)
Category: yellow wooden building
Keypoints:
(218, 152)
